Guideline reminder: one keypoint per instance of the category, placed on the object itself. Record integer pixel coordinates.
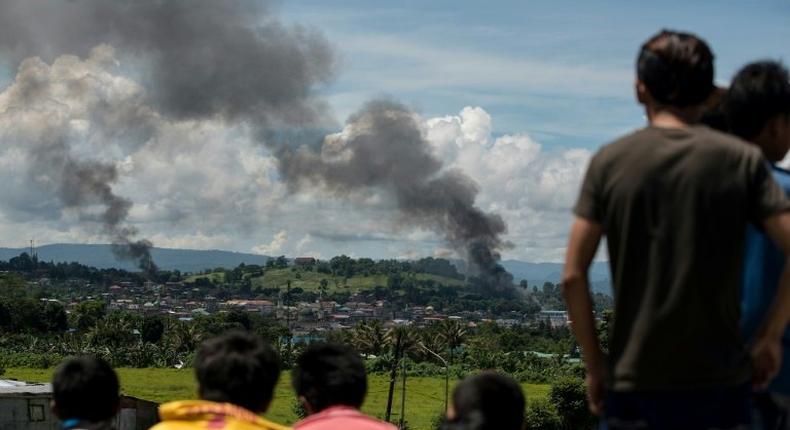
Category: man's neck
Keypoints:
(675, 118)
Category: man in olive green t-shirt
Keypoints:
(673, 200)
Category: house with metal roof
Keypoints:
(26, 406)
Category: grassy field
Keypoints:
(310, 281)
(424, 396)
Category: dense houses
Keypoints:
(187, 301)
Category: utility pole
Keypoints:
(403, 394)
(446, 373)
(393, 374)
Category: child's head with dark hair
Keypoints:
(675, 70)
(86, 389)
(238, 368)
(487, 401)
(757, 107)
(328, 374)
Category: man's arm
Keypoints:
(767, 348)
(584, 239)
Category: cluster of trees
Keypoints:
(30, 267)
(347, 267)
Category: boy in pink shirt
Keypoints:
(331, 383)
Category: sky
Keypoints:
(517, 95)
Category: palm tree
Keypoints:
(184, 337)
(322, 287)
(370, 338)
(452, 334)
(404, 341)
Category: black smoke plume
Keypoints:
(198, 59)
(234, 60)
(383, 148)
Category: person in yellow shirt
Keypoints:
(236, 374)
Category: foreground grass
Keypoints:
(424, 395)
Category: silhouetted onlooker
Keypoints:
(757, 108)
(674, 200)
(331, 383)
(236, 374)
(85, 394)
(486, 401)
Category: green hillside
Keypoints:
(311, 280)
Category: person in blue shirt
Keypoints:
(757, 109)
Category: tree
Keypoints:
(568, 395)
(183, 337)
(452, 334)
(541, 415)
(152, 329)
(113, 333)
(404, 340)
(370, 338)
(239, 318)
(87, 314)
(54, 318)
(604, 327)
(322, 286)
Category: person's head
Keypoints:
(328, 374)
(757, 107)
(85, 389)
(238, 368)
(487, 401)
(674, 73)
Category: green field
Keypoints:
(310, 281)
(217, 277)
(424, 396)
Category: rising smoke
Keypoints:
(382, 147)
(198, 59)
(233, 60)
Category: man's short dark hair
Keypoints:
(759, 92)
(488, 400)
(328, 374)
(85, 388)
(238, 368)
(676, 68)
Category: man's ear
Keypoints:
(306, 405)
(642, 95)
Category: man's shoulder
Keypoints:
(345, 419)
(782, 176)
(704, 141)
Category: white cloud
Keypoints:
(276, 245)
(210, 184)
(533, 189)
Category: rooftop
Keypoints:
(10, 386)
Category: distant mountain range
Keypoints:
(193, 260)
(538, 273)
(101, 256)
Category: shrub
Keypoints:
(568, 396)
(541, 415)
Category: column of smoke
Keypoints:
(208, 59)
(383, 148)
